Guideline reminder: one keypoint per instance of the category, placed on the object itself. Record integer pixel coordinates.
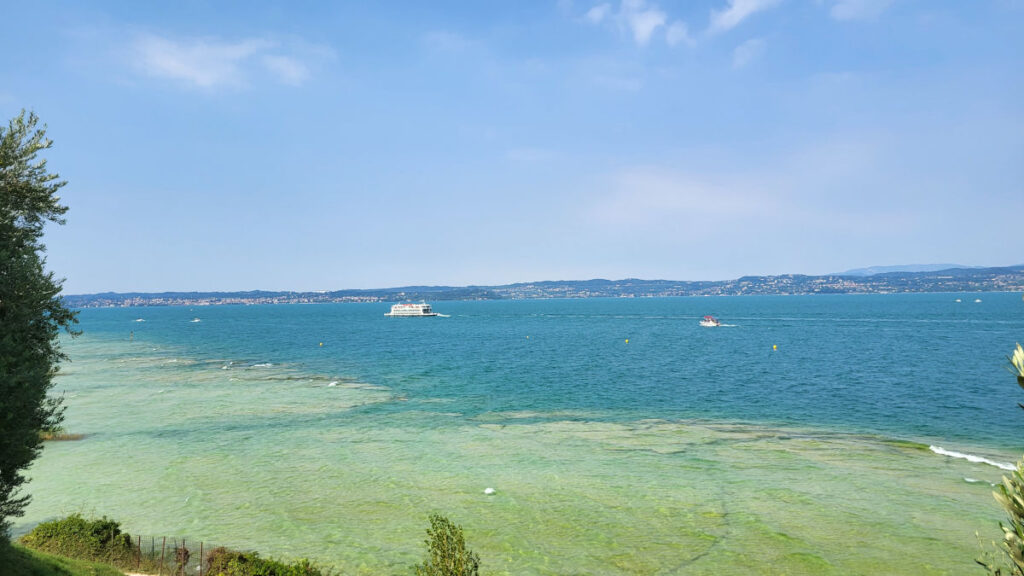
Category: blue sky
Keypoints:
(245, 145)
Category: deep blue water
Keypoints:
(915, 366)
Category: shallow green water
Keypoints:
(606, 457)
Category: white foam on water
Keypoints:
(970, 458)
(333, 383)
(263, 365)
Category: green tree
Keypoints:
(1010, 495)
(447, 549)
(32, 312)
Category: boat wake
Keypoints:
(444, 315)
(970, 458)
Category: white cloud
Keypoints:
(212, 63)
(736, 12)
(858, 9)
(678, 32)
(204, 63)
(598, 13)
(641, 19)
(748, 52)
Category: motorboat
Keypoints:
(709, 322)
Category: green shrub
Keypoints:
(447, 549)
(1010, 495)
(97, 540)
(226, 562)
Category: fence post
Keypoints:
(163, 548)
(184, 556)
(200, 558)
(138, 563)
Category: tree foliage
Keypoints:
(95, 539)
(1010, 495)
(31, 310)
(1017, 366)
(448, 555)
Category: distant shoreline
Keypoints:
(954, 280)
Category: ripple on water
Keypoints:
(275, 458)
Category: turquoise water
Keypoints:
(619, 436)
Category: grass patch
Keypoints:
(16, 560)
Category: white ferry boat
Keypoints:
(414, 310)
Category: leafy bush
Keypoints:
(1010, 496)
(98, 540)
(101, 540)
(1017, 366)
(226, 562)
(447, 549)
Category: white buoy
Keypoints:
(488, 491)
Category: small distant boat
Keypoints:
(195, 320)
(139, 320)
(412, 310)
(957, 300)
(710, 322)
(977, 300)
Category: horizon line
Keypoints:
(449, 286)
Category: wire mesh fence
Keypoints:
(102, 540)
(170, 556)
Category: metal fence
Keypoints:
(170, 556)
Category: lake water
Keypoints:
(618, 435)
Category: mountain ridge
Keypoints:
(991, 279)
(872, 270)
